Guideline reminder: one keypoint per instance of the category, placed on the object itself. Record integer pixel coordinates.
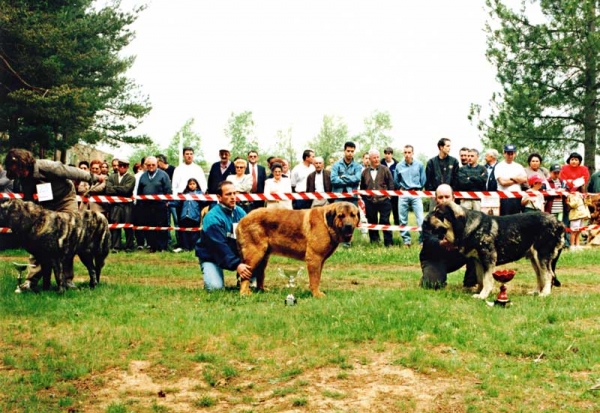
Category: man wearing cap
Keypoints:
(554, 204)
(510, 175)
(220, 170)
(121, 184)
(533, 202)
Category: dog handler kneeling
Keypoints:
(438, 256)
(216, 248)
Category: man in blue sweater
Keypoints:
(216, 248)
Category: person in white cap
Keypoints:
(510, 175)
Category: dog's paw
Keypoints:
(480, 296)
(318, 294)
(245, 288)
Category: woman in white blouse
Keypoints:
(278, 185)
(241, 181)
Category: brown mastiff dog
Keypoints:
(311, 235)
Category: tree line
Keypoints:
(63, 81)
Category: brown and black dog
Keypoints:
(311, 235)
(54, 238)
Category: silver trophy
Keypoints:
(20, 269)
(290, 276)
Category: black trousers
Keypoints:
(154, 214)
(121, 214)
(436, 269)
(379, 213)
(510, 206)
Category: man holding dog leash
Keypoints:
(52, 182)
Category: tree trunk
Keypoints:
(591, 106)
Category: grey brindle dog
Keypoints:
(54, 238)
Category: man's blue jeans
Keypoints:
(406, 203)
(213, 276)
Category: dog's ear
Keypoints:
(330, 215)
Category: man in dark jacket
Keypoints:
(153, 213)
(121, 184)
(441, 169)
(216, 248)
(377, 207)
(319, 181)
(220, 170)
(259, 176)
(438, 256)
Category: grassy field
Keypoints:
(150, 339)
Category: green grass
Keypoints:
(61, 352)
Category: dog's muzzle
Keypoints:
(347, 232)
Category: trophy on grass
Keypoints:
(290, 276)
(20, 269)
(503, 276)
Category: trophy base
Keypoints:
(503, 303)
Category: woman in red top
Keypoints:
(573, 170)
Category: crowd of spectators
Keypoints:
(153, 175)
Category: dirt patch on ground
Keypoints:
(375, 386)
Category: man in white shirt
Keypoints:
(188, 169)
(510, 175)
(299, 175)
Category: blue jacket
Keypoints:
(345, 177)
(409, 176)
(190, 209)
(217, 243)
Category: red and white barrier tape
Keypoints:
(108, 199)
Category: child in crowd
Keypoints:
(534, 202)
(190, 216)
(578, 212)
(554, 204)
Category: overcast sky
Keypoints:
(292, 62)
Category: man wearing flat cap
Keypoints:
(121, 184)
(510, 175)
(220, 170)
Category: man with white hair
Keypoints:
(378, 207)
(154, 181)
(319, 181)
(491, 160)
